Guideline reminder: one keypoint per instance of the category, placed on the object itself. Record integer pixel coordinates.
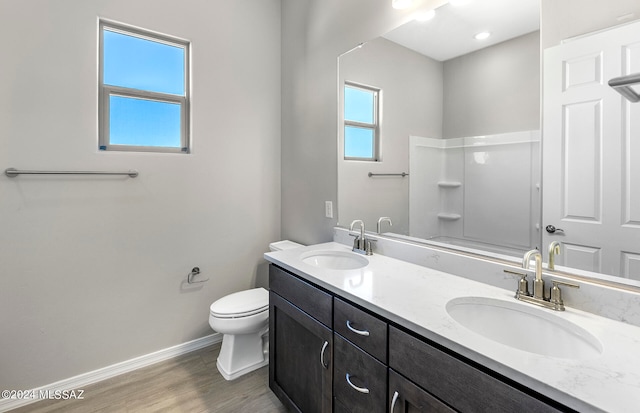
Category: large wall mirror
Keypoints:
(457, 141)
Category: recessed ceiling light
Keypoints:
(426, 15)
(482, 35)
(401, 4)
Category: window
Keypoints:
(361, 128)
(143, 91)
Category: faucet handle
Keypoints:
(523, 283)
(556, 293)
(523, 286)
(367, 247)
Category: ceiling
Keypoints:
(451, 32)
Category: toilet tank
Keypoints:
(283, 245)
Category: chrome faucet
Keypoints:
(554, 249)
(361, 245)
(381, 220)
(554, 301)
(538, 283)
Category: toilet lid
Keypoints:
(241, 304)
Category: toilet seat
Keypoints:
(241, 304)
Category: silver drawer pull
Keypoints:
(360, 389)
(360, 332)
(393, 401)
(324, 347)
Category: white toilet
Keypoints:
(243, 319)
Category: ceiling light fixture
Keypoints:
(401, 4)
(482, 35)
(426, 15)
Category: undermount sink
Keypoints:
(524, 327)
(334, 260)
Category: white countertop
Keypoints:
(415, 297)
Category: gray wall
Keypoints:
(494, 90)
(92, 270)
(314, 34)
(411, 103)
(562, 19)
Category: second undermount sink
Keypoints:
(524, 327)
(334, 260)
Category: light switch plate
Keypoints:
(328, 209)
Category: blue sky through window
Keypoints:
(358, 105)
(141, 64)
(358, 142)
(143, 122)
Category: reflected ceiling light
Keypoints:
(457, 3)
(426, 15)
(401, 4)
(482, 35)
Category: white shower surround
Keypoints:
(475, 200)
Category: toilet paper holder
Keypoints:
(194, 272)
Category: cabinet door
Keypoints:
(406, 397)
(300, 357)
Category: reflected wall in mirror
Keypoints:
(461, 116)
(466, 126)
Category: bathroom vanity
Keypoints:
(348, 335)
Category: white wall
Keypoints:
(411, 104)
(478, 201)
(93, 268)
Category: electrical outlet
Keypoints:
(328, 209)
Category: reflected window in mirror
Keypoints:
(361, 128)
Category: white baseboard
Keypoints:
(83, 380)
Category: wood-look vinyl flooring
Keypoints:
(188, 383)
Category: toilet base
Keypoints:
(242, 353)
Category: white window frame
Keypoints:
(106, 91)
(375, 126)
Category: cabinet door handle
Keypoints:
(393, 401)
(324, 347)
(360, 389)
(360, 332)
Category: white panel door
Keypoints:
(591, 153)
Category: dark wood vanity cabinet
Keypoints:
(407, 397)
(457, 383)
(359, 380)
(360, 358)
(327, 354)
(300, 345)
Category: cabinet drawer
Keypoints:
(367, 390)
(362, 329)
(460, 385)
(303, 295)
